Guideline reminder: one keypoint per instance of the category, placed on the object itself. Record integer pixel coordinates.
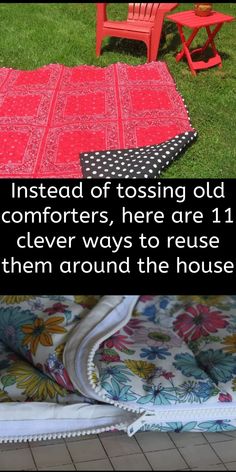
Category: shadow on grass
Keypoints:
(173, 41)
(125, 46)
(204, 57)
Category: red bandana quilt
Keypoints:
(50, 115)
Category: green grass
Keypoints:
(35, 34)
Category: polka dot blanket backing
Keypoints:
(51, 115)
(143, 162)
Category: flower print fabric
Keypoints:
(37, 327)
(199, 321)
(173, 350)
(20, 381)
(209, 329)
(41, 332)
(216, 426)
(230, 343)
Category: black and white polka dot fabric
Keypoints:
(144, 162)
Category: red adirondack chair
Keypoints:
(144, 23)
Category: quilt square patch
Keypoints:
(84, 109)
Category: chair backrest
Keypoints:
(142, 11)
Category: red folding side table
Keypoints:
(190, 20)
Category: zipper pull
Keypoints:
(134, 427)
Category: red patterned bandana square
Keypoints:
(51, 115)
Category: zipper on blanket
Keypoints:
(134, 427)
(68, 434)
(148, 418)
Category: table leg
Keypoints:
(185, 42)
(196, 65)
(211, 36)
(210, 41)
(186, 45)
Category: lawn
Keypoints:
(35, 34)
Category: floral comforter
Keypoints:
(33, 333)
(174, 350)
